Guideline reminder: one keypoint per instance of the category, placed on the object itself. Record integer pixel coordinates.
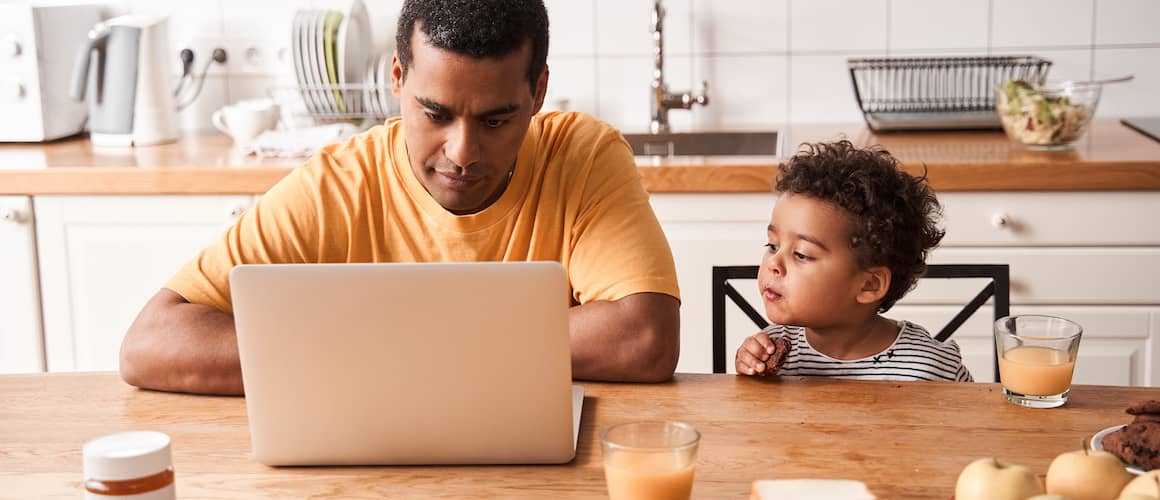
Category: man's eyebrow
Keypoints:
(431, 105)
(439, 108)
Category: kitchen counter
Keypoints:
(1110, 157)
(904, 439)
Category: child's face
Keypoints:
(809, 275)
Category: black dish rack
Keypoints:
(937, 93)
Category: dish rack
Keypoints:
(309, 105)
(937, 93)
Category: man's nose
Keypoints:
(462, 146)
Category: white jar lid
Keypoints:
(127, 455)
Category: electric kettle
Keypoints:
(124, 72)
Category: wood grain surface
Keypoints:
(904, 439)
(1110, 157)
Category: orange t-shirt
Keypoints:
(575, 197)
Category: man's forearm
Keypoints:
(181, 347)
(635, 339)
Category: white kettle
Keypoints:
(124, 71)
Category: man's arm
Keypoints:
(634, 339)
(181, 347)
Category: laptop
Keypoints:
(432, 363)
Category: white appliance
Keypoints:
(123, 72)
(37, 47)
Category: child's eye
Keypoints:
(802, 256)
(772, 247)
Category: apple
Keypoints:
(991, 479)
(1087, 475)
(1146, 486)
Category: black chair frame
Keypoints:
(998, 288)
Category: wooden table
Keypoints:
(905, 440)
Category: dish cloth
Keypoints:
(301, 142)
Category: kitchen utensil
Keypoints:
(937, 93)
(124, 72)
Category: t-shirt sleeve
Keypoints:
(619, 248)
(282, 227)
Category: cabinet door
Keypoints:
(21, 339)
(103, 257)
(706, 230)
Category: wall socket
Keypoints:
(203, 47)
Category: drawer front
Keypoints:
(1058, 275)
(1047, 219)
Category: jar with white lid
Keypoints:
(134, 465)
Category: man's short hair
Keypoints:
(477, 28)
(894, 215)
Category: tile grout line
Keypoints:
(1092, 48)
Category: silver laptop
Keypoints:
(369, 364)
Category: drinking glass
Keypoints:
(1036, 358)
(653, 460)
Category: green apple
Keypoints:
(1145, 486)
(991, 479)
(1087, 475)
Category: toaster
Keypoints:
(38, 46)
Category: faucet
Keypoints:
(663, 100)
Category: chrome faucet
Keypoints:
(663, 100)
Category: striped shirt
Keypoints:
(914, 355)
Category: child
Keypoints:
(848, 238)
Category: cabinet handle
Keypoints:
(11, 215)
(237, 211)
(1000, 220)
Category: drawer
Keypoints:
(1085, 275)
(1051, 219)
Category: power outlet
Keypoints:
(260, 56)
(203, 47)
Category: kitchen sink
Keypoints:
(704, 144)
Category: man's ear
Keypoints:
(875, 284)
(541, 90)
(396, 77)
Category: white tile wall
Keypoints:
(768, 62)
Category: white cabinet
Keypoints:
(102, 257)
(1090, 256)
(21, 342)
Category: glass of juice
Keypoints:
(650, 460)
(1036, 358)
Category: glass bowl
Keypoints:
(1050, 116)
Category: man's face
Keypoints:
(464, 120)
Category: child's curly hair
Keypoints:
(894, 214)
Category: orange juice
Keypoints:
(644, 475)
(1036, 371)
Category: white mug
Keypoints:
(245, 120)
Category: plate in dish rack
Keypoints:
(1097, 445)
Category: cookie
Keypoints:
(1138, 444)
(779, 356)
(1144, 407)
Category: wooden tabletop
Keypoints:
(1110, 157)
(904, 439)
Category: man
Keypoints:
(469, 172)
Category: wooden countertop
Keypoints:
(1110, 157)
(904, 439)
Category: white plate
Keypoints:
(296, 30)
(324, 96)
(1097, 444)
(309, 65)
(353, 44)
(386, 97)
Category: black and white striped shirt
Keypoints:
(914, 355)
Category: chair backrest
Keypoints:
(999, 287)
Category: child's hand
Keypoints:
(753, 355)
(762, 355)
